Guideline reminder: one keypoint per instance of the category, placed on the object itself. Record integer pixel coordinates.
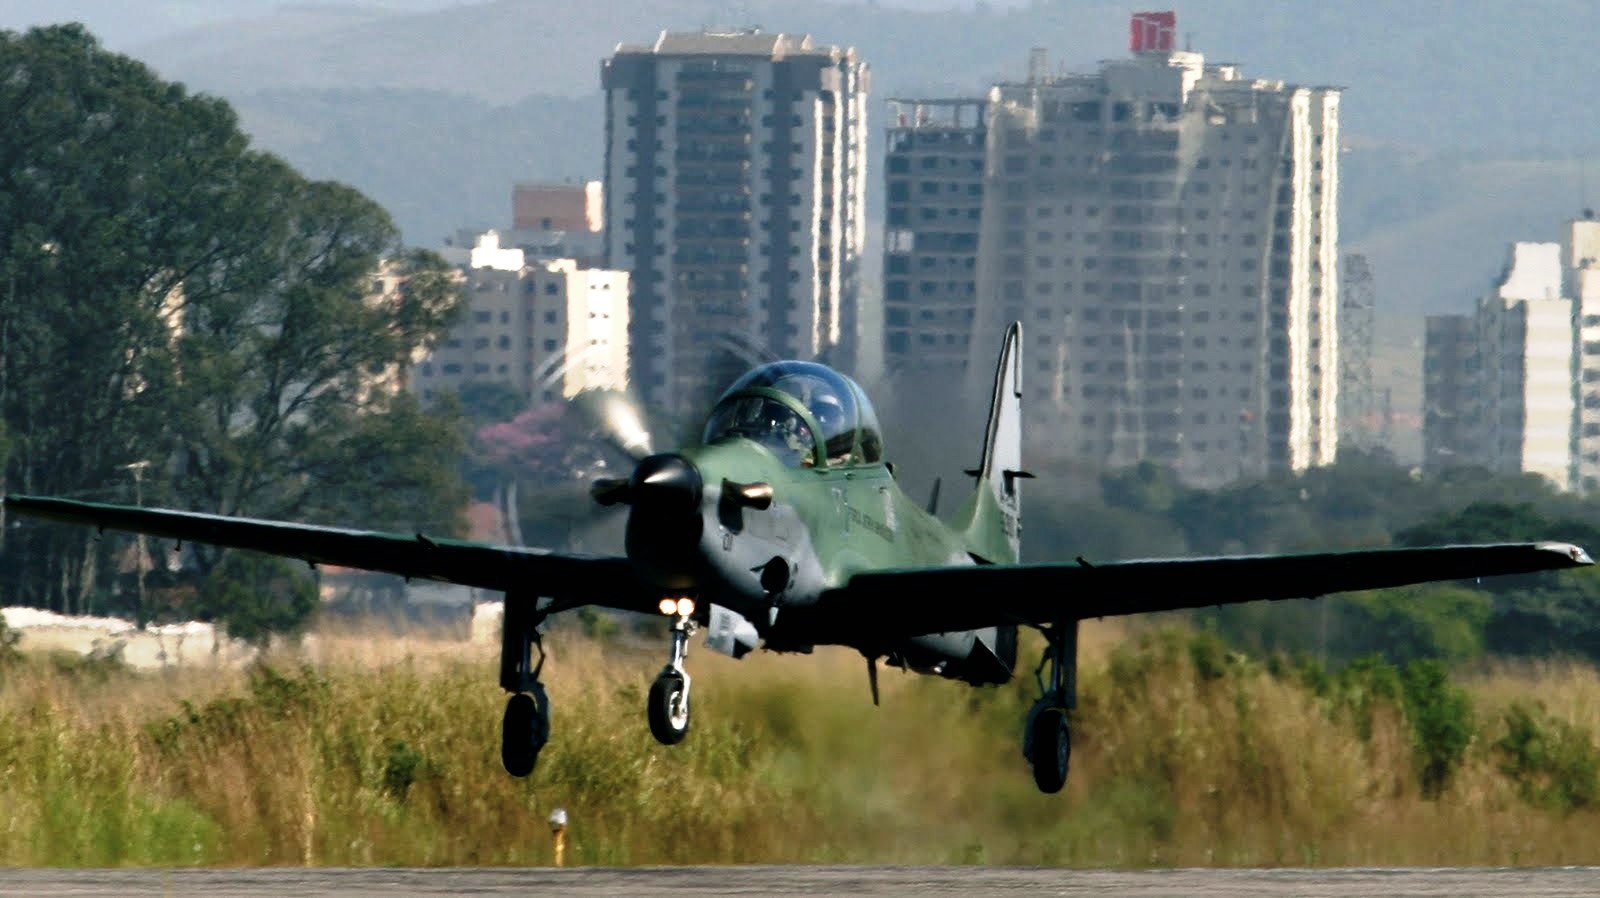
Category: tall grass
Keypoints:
(384, 751)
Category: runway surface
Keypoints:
(811, 881)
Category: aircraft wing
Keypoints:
(900, 603)
(569, 579)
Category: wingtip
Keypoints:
(1575, 554)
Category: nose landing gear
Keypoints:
(1047, 734)
(668, 708)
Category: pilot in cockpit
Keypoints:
(778, 404)
(839, 431)
(795, 435)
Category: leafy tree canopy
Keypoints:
(181, 310)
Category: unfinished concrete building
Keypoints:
(1168, 231)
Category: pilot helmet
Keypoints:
(829, 412)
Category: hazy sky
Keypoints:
(122, 24)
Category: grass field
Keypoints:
(1183, 755)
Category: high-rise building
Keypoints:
(1580, 258)
(1360, 419)
(1499, 388)
(735, 167)
(1450, 407)
(548, 328)
(1168, 231)
(934, 172)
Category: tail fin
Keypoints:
(991, 521)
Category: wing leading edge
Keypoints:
(904, 603)
(569, 579)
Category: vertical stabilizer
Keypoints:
(991, 521)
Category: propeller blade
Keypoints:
(616, 418)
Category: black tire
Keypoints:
(665, 694)
(1049, 749)
(518, 748)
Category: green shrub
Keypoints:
(1441, 723)
(1553, 762)
(1357, 691)
(400, 769)
(8, 642)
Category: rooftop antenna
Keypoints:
(1583, 185)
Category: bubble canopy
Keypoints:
(806, 414)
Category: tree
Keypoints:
(255, 595)
(169, 295)
(1534, 614)
(490, 402)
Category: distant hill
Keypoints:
(437, 161)
(1477, 74)
(1434, 225)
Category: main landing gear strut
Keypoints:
(668, 710)
(526, 726)
(525, 729)
(1047, 734)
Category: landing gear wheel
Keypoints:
(669, 708)
(524, 731)
(1049, 747)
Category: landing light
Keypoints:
(670, 606)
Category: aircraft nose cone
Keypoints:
(666, 483)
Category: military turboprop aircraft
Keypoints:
(785, 529)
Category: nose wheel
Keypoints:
(668, 708)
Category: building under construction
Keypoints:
(1168, 231)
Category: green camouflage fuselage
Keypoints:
(823, 525)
